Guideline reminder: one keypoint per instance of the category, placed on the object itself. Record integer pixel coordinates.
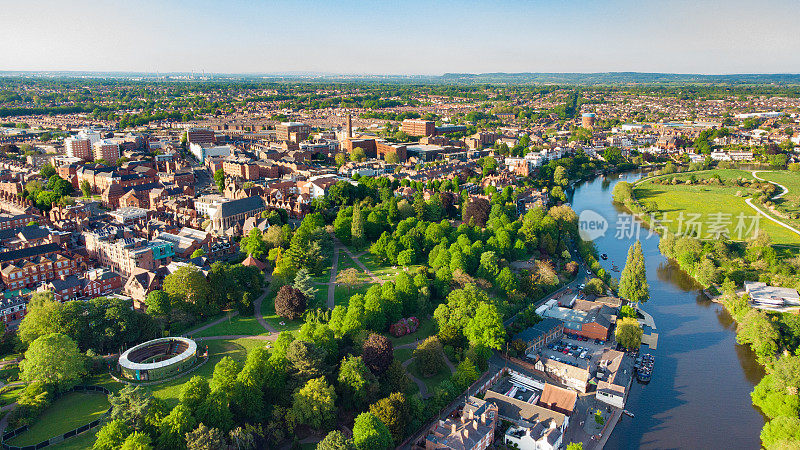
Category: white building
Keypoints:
(202, 151)
(771, 296)
(539, 436)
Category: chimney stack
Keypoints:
(471, 414)
(453, 428)
(483, 418)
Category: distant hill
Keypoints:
(533, 78)
(619, 78)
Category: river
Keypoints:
(699, 396)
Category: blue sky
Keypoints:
(403, 37)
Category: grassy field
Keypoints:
(68, 412)
(217, 349)
(268, 311)
(426, 328)
(237, 325)
(402, 354)
(433, 381)
(672, 200)
(790, 202)
(9, 394)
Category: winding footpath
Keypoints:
(749, 202)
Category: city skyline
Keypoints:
(412, 38)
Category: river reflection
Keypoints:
(699, 396)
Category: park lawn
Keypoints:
(217, 349)
(325, 275)
(431, 382)
(80, 442)
(786, 178)
(790, 202)
(342, 294)
(67, 413)
(321, 297)
(9, 394)
(237, 325)
(9, 373)
(705, 200)
(427, 327)
(402, 354)
(387, 273)
(268, 311)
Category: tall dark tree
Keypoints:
(378, 353)
(633, 281)
(290, 303)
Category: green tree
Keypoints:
(52, 359)
(158, 304)
(131, 405)
(623, 192)
(335, 440)
(575, 446)
(629, 333)
(781, 430)
(215, 410)
(86, 188)
(391, 158)
(198, 253)
(560, 176)
(594, 287)
(774, 403)
(194, 392)
(315, 404)
(47, 171)
(205, 438)
(358, 154)
(254, 244)
(355, 382)
(633, 281)
(137, 441)
(174, 426)
(393, 412)
(219, 179)
(340, 159)
(486, 328)
(357, 228)
(369, 433)
(304, 283)
(224, 377)
(111, 436)
(466, 373)
(429, 357)
(189, 285)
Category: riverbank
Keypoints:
(683, 396)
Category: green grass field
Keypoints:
(67, 413)
(237, 325)
(217, 349)
(9, 394)
(402, 354)
(427, 327)
(672, 200)
(790, 202)
(430, 382)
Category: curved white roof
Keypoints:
(128, 364)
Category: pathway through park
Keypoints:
(749, 202)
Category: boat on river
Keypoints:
(644, 367)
